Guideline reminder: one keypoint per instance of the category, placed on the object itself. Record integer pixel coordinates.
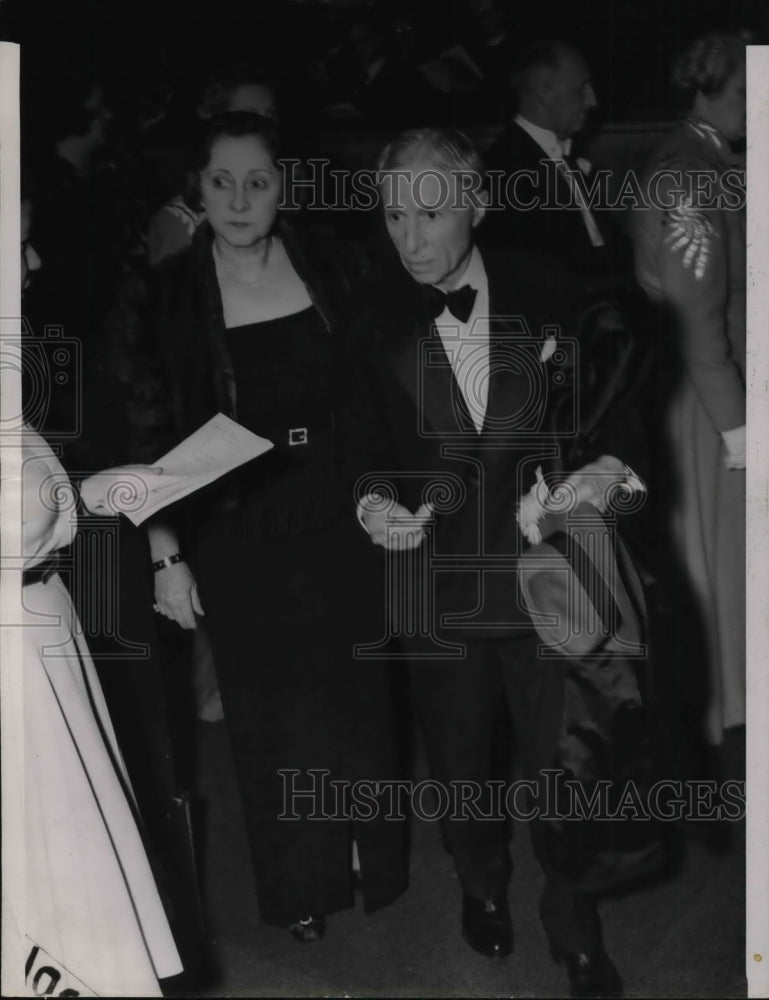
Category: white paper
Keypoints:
(212, 451)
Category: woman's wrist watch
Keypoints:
(167, 561)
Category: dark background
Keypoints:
(135, 45)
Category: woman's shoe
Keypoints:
(309, 929)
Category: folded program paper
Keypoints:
(212, 451)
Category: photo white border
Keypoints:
(11, 675)
(757, 606)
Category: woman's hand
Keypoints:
(176, 594)
(119, 489)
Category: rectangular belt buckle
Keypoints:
(297, 435)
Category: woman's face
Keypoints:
(241, 188)
(726, 109)
(30, 261)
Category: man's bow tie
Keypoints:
(459, 302)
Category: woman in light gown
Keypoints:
(690, 258)
(93, 921)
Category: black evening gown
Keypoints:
(290, 583)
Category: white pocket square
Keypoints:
(548, 349)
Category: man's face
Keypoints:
(431, 221)
(568, 95)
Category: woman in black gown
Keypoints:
(250, 321)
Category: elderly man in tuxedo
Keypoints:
(536, 167)
(453, 342)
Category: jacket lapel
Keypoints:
(526, 152)
(424, 370)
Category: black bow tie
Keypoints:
(459, 302)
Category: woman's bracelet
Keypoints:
(167, 561)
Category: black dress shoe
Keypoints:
(591, 974)
(309, 929)
(486, 925)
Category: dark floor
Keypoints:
(683, 937)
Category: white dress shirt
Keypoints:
(467, 344)
(556, 149)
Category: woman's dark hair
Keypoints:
(216, 93)
(232, 125)
(708, 63)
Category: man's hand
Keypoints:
(594, 483)
(392, 525)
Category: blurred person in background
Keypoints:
(88, 227)
(690, 258)
(493, 42)
(67, 133)
(555, 98)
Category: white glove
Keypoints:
(392, 525)
(594, 482)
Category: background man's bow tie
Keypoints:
(459, 302)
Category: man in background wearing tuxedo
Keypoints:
(555, 97)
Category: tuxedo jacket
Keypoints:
(557, 231)
(435, 453)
